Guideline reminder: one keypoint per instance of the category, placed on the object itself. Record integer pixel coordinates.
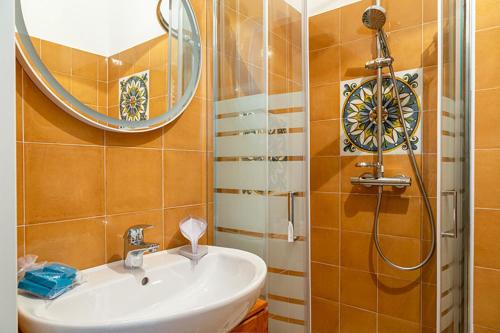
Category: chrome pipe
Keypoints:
(380, 136)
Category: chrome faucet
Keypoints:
(134, 246)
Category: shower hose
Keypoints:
(383, 42)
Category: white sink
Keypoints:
(211, 296)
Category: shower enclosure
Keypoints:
(261, 171)
(260, 146)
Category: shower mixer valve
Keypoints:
(369, 179)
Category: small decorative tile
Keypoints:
(134, 97)
(359, 114)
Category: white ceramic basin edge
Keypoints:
(211, 296)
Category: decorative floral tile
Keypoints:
(134, 97)
(358, 104)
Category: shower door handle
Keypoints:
(453, 234)
(291, 217)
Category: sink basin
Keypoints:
(211, 296)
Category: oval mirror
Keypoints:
(121, 65)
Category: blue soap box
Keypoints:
(48, 282)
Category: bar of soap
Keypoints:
(69, 272)
(39, 290)
(49, 279)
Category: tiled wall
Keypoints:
(94, 79)
(353, 290)
(151, 55)
(81, 73)
(487, 178)
(79, 187)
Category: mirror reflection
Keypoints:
(124, 65)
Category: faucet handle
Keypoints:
(135, 234)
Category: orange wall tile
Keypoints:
(487, 206)
(373, 296)
(80, 187)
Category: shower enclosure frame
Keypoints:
(466, 34)
(462, 76)
(470, 78)
(304, 63)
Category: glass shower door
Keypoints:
(260, 140)
(453, 199)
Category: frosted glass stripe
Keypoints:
(259, 121)
(287, 176)
(278, 326)
(290, 256)
(448, 144)
(251, 244)
(448, 124)
(241, 104)
(284, 309)
(251, 121)
(241, 175)
(252, 175)
(287, 144)
(286, 285)
(258, 102)
(287, 100)
(241, 145)
(290, 120)
(448, 176)
(239, 211)
(256, 145)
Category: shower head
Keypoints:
(374, 17)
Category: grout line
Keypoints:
(113, 215)
(487, 149)
(185, 150)
(488, 328)
(487, 268)
(373, 194)
(115, 147)
(486, 208)
(487, 89)
(488, 28)
(65, 221)
(63, 144)
(325, 120)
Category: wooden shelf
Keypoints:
(256, 319)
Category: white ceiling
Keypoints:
(103, 27)
(315, 7)
(82, 24)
